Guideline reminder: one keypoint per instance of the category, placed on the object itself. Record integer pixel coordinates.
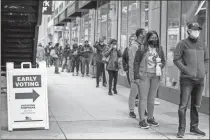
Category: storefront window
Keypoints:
(102, 21)
(133, 17)
(75, 31)
(91, 26)
(84, 27)
(173, 37)
(144, 14)
(112, 20)
(124, 23)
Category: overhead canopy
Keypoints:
(88, 4)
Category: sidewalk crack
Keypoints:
(85, 111)
(58, 124)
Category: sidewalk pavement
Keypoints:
(78, 110)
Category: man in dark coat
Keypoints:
(100, 68)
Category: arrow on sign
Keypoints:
(34, 95)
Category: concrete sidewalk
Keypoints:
(79, 110)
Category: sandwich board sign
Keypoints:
(27, 99)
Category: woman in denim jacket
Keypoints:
(114, 53)
(148, 64)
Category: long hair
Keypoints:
(112, 41)
(56, 45)
(148, 35)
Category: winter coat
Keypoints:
(86, 51)
(99, 49)
(114, 55)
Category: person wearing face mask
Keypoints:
(146, 76)
(191, 57)
(100, 68)
(86, 52)
(137, 43)
(113, 53)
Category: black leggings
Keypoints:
(100, 71)
(112, 75)
(75, 63)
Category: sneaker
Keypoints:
(152, 122)
(132, 115)
(83, 75)
(115, 91)
(196, 131)
(72, 74)
(156, 101)
(110, 93)
(180, 134)
(77, 74)
(104, 85)
(87, 75)
(143, 124)
(97, 86)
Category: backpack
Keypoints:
(125, 59)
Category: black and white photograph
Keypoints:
(104, 69)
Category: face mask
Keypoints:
(195, 34)
(153, 42)
(114, 46)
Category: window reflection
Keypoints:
(133, 17)
(124, 23)
(102, 22)
(144, 14)
(173, 37)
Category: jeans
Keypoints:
(127, 74)
(195, 89)
(69, 65)
(56, 64)
(64, 63)
(47, 61)
(113, 75)
(75, 63)
(147, 88)
(85, 62)
(132, 96)
(100, 70)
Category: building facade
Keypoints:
(89, 20)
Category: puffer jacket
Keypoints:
(114, 55)
(140, 62)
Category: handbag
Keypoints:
(53, 53)
(105, 59)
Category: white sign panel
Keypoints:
(27, 98)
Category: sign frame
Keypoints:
(36, 119)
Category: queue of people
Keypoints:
(143, 61)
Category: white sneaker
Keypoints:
(157, 101)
